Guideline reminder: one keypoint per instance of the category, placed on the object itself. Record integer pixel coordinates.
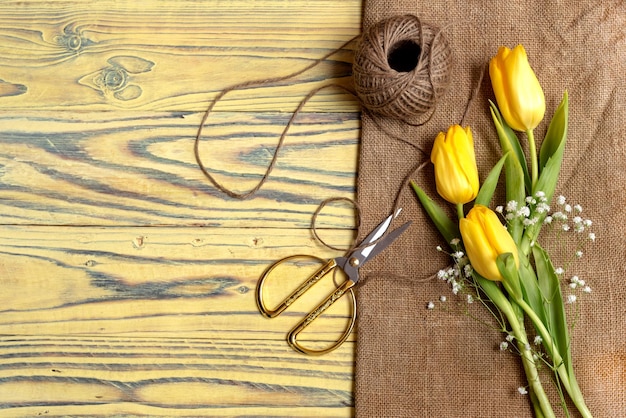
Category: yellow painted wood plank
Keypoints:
(169, 377)
(163, 55)
(151, 281)
(105, 312)
(160, 321)
(112, 168)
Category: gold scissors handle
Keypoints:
(326, 268)
(332, 298)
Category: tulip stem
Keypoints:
(569, 382)
(515, 317)
(459, 211)
(533, 159)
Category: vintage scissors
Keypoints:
(372, 245)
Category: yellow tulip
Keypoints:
(456, 175)
(518, 92)
(485, 238)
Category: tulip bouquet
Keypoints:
(497, 251)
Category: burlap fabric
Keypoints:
(414, 362)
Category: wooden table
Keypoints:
(126, 279)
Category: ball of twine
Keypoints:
(401, 67)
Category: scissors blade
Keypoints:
(384, 243)
(351, 263)
(378, 232)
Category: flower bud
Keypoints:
(485, 238)
(456, 174)
(518, 92)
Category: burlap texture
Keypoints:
(414, 362)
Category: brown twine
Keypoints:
(261, 83)
(398, 94)
(382, 90)
(322, 205)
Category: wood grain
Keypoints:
(157, 317)
(116, 168)
(160, 55)
(127, 282)
(169, 377)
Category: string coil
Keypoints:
(401, 67)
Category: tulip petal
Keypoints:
(456, 174)
(484, 239)
(479, 250)
(517, 89)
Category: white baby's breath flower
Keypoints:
(504, 345)
(560, 200)
(542, 208)
(523, 212)
(430, 305)
(456, 287)
(455, 242)
(530, 221)
(442, 298)
(470, 298)
(499, 209)
(579, 253)
(538, 340)
(511, 206)
(592, 236)
(467, 270)
(559, 270)
(578, 208)
(587, 289)
(571, 298)
(522, 390)
(510, 338)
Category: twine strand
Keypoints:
(264, 82)
(408, 96)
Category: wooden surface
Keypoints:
(126, 280)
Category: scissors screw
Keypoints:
(354, 262)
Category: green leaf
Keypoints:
(508, 270)
(506, 134)
(494, 293)
(514, 174)
(555, 320)
(448, 229)
(552, 150)
(557, 132)
(530, 288)
(486, 191)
